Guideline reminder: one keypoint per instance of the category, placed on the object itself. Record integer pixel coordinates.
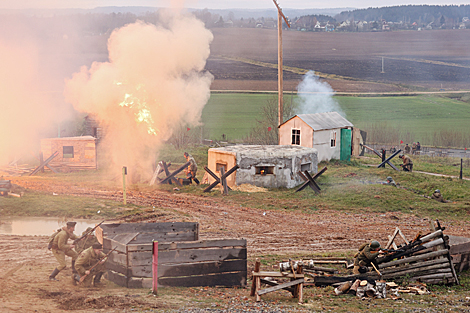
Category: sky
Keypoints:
(218, 4)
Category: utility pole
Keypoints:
(280, 82)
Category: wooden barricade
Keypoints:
(295, 285)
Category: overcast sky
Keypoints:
(218, 4)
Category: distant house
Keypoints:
(329, 133)
(74, 153)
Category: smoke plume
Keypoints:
(152, 83)
(315, 96)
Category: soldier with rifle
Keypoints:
(60, 249)
(407, 165)
(367, 255)
(90, 265)
(87, 239)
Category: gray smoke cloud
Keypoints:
(315, 96)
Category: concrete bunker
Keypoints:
(263, 165)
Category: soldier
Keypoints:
(407, 163)
(367, 254)
(60, 249)
(390, 182)
(413, 148)
(86, 260)
(418, 148)
(192, 168)
(438, 196)
(407, 149)
(87, 241)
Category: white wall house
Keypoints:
(322, 131)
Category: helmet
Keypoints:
(389, 178)
(401, 155)
(437, 190)
(374, 245)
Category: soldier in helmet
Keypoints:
(192, 168)
(407, 165)
(390, 182)
(89, 240)
(438, 196)
(368, 253)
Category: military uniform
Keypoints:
(407, 163)
(86, 242)
(438, 197)
(364, 258)
(86, 260)
(192, 168)
(60, 249)
(407, 149)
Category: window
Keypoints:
(264, 170)
(219, 165)
(68, 151)
(295, 137)
(333, 139)
(305, 167)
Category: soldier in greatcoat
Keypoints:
(86, 260)
(192, 168)
(60, 249)
(368, 253)
(438, 196)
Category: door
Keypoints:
(345, 152)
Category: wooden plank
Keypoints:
(277, 274)
(253, 280)
(166, 227)
(460, 248)
(118, 258)
(438, 281)
(403, 237)
(201, 268)
(214, 243)
(117, 267)
(419, 271)
(165, 237)
(281, 286)
(392, 238)
(224, 279)
(140, 258)
(117, 278)
(271, 283)
(171, 177)
(433, 276)
(414, 258)
(139, 282)
(200, 255)
(415, 265)
(125, 238)
(109, 244)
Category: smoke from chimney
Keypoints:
(315, 96)
(153, 82)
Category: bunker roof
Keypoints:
(265, 151)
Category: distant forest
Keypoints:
(408, 13)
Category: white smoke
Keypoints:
(154, 81)
(315, 96)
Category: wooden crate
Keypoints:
(182, 259)
(185, 264)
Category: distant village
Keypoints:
(324, 23)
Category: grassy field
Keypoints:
(414, 118)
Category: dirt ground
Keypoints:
(25, 262)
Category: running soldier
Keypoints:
(60, 249)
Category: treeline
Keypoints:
(408, 13)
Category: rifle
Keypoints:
(87, 233)
(392, 250)
(97, 263)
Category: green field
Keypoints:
(412, 118)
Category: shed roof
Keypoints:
(72, 138)
(323, 121)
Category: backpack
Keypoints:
(51, 238)
(360, 249)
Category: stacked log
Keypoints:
(426, 260)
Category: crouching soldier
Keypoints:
(407, 165)
(60, 249)
(367, 254)
(90, 265)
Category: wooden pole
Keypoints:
(124, 173)
(461, 167)
(279, 69)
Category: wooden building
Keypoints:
(74, 153)
(329, 133)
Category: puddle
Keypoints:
(39, 226)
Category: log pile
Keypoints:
(426, 259)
